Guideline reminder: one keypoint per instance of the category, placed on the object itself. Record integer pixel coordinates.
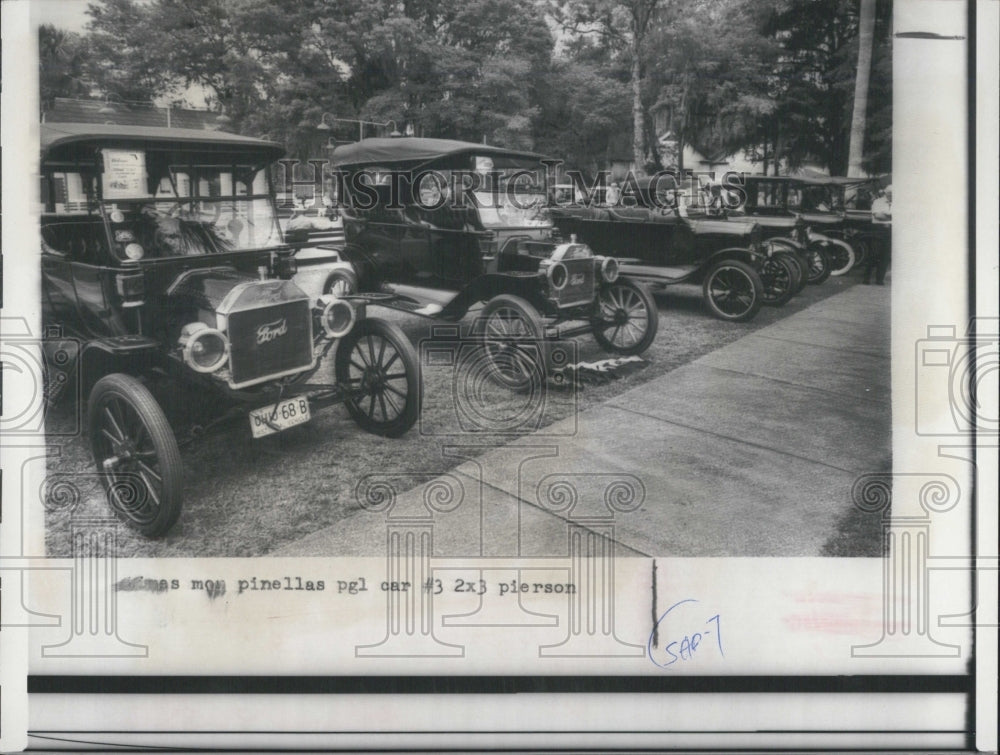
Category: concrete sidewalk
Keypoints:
(751, 450)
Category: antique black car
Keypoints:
(819, 220)
(851, 200)
(656, 241)
(163, 259)
(435, 227)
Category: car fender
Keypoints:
(135, 355)
(779, 243)
(364, 266)
(529, 287)
(738, 253)
(824, 240)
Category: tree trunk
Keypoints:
(777, 147)
(866, 37)
(638, 143)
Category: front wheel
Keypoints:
(136, 454)
(779, 277)
(514, 345)
(377, 366)
(627, 318)
(733, 291)
(842, 257)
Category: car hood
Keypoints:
(223, 289)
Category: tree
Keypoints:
(866, 41)
(126, 51)
(625, 24)
(816, 77)
(62, 61)
(584, 102)
(710, 69)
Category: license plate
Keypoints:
(277, 417)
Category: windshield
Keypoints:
(156, 204)
(815, 198)
(182, 227)
(195, 210)
(522, 210)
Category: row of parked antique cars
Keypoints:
(166, 274)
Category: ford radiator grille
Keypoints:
(270, 341)
(579, 288)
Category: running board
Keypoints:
(658, 274)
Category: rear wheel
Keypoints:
(341, 283)
(136, 454)
(861, 250)
(733, 291)
(377, 365)
(819, 264)
(779, 278)
(627, 318)
(798, 268)
(514, 344)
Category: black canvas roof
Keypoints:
(414, 151)
(816, 180)
(55, 135)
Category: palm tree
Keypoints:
(866, 40)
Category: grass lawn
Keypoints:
(246, 497)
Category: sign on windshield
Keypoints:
(124, 175)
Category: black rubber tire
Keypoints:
(819, 264)
(127, 425)
(633, 307)
(842, 257)
(779, 278)
(803, 262)
(862, 248)
(798, 268)
(796, 254)
(733, 291)
(514, 345)
(340, 283)
(362, 365)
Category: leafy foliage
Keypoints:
(61, 58)
(565, 77)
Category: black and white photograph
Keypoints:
(378, 345)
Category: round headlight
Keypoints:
(558, 275)
(609, 269)
(206, 350)
(338, 318)
(134, 251)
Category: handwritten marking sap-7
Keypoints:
(689, 635)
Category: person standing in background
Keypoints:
(878, 260)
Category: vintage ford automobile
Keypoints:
(819, 223)
(435, 227)
(850, 199)
(785, 236)
(163, 259)
(656, 241)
